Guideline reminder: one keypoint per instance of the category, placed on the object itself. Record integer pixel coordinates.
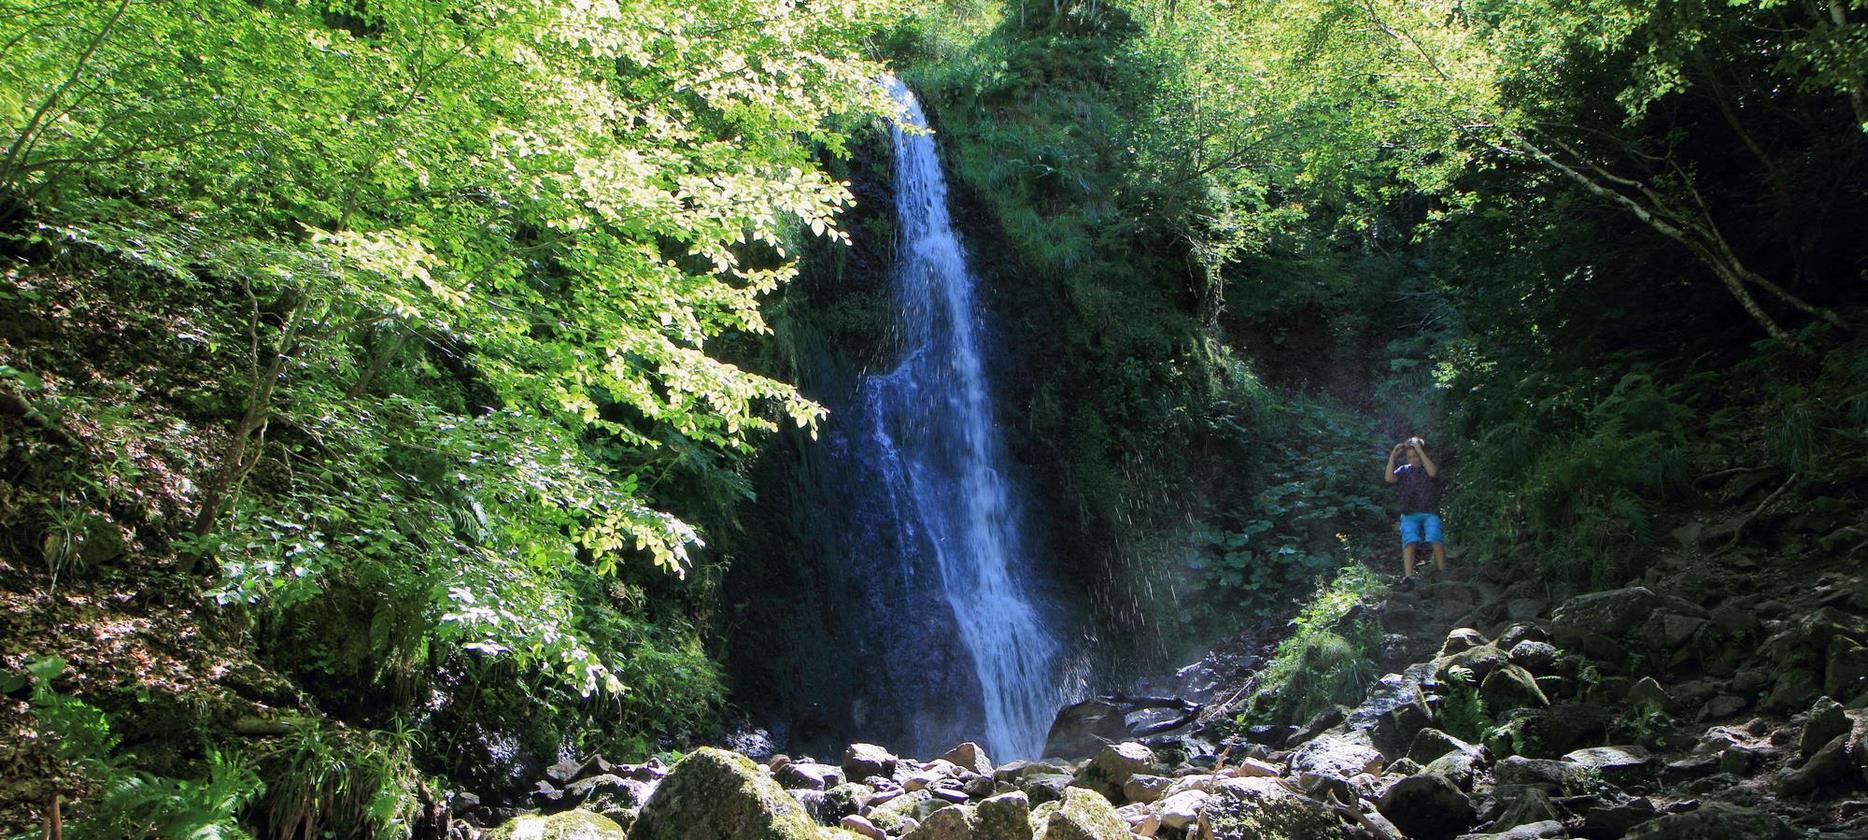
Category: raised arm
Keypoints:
(1432, 471)
(1388, 472)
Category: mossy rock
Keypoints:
(568, 825)
(1083, 815)
(716, 795)
(1263, 809)
(915, 805)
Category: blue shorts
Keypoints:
(1420, 527)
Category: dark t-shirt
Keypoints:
(1420, 493)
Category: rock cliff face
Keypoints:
(1639, 712)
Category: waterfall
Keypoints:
(940, 460)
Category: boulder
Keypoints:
(1615, 820)
(718, 794)
(1045, 788)
(1845, 674)
(1714, 821)
(1182, 809)
(1461, 638)
(842, 801)
(1459, 767)
(809, 775)
(1006, 816)
(1826, 720)
(568, 825)
(1145, 788)
(1427, 807)
(1523, 806)
(1393, 711)
(1142, 820)
(598, 793)
(1115, 763)
(895, 815)
(1081, 729)
(1479, 662)
(858, 825)
(1564, 776)
(1533, 656)
(1617, 765)
(1511, 687)
(1595, 623)
(1430, 744)
(860, 761)
(1337, 756)
(1830, 763)
(1647, 692)
(970, 757)
(1264, 809)
(1083, 815)
(1522, 631)
(1528, 831)
(956, 823)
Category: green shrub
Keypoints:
(127, 802)
(1328, 660)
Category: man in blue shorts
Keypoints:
(1419, 482)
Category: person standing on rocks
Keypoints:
(1419, 484)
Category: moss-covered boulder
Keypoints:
(892, 816)
(956, 823)
(717, 795)
(1083, 815)
(1264, 809)
(566, 825)
(1004, 817)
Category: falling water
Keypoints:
(941, 460)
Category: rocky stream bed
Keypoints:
(1636, 712)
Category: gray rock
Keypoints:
(1594, 623)
(1337, 756)
(1427, 807)
(1462, 638)
(1827, 719)
(1145, 788)
(1081, 729)
(1459, 767)
(809, 775)
(970, 757)
(1393, 711)
(1264, 809)
(1846, 672)
(1648, 692)
(717, 794)
(1528, 831)
(1182, 809)
(569, 825)
(860, 761)
(1714, 821)
(1523, 806)
(1522, 631)
(1430, 744)
(1479, 661)
(1615, 820)
(1830, 763)
(863, 827)
(1045, 787)
(956, 823)
(1511, 687)
(1536, 657)
(1006, 816)
(1618, 765)
(1083, 815)
(1564, 776)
